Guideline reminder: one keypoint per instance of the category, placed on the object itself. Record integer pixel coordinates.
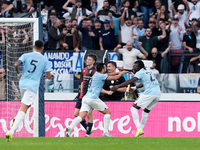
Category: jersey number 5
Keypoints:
(33, 63)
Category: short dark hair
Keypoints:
(100, 66)
(140, 64)
(39, 44)
(139, 19)
(113, 63)
(74, 19)
(94, 56)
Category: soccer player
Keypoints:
(86, 75)
(34, 65)
(91, 99)
(198, 88)
(147, 100)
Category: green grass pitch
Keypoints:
(99, 143)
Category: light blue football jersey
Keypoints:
(34, 65)
(149, 82)
(95, 85)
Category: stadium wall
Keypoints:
(167, 119)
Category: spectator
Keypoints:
(116, 22)
(108, 94)
(8, 90)
(153, 69)
(129, 54)
(51, 19)
(148, 41)
(125, 28)
(19, 5)
(196, 61)
(3, 39)
(139, 30)
(54, 36)
(155, 54)
(69, 35)
(76, 35)
(196, 28)
(163, 14)
(135, 21)
(146, 6)
(157, 8)
(152, 26)
(103, 13)
(97, 26)
(107, 33)
(77, 10)
(5, 7)
(88, 33)
(194, 6)
(189, 43)
(176, 37)
(127, 11)
(181, 14)
(163, 44)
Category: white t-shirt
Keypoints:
(195, 10)
(182, 19)
(126, 34)
(80, 17)
(129, 57)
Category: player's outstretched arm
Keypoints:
(115, 76)
(124, 83)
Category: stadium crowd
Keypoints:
(146, 29)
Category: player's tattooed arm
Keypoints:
(17, 64)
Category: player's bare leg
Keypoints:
(107, 114)
(77, 120)
(20, 116)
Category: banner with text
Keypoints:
(167, 119)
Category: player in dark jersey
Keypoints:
(86, 75)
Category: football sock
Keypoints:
(89, 128)
(106, 122)
(75, 122)
(20, 116)
(84, 124)
(135, 116)
(144, 119)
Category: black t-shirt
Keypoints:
(190, 40)
(158, 59)
(116, 96)
(108, 37)
(69, 40)
(162, 44)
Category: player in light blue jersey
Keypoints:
(91, 100)
(34, 65)
(147, 100)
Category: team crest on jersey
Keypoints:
(90, 71)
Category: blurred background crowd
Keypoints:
(164, 31)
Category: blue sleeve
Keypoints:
(138, 75)
(104, 76)
(199, 82)
(47, 66)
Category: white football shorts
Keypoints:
(147, 101)
(28, 97)
(88, 104)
